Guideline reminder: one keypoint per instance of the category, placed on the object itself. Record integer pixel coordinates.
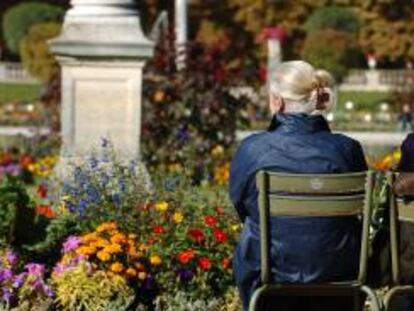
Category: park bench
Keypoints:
(301, 195)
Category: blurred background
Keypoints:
(366, 44)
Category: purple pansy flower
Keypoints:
(35, 269)
(7, 294)
(19, 280)
(5, 274)
(12, 258)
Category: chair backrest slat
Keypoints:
(405, 211)
(316, 206)
(317, 183)
(313, 195)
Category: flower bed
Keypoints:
(111, 239)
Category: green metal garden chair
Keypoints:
(302, 195)
(400, 211)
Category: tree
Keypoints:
(19, 19)
(35, 52)
(319, 52)
(332, 17)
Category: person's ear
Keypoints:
(276, 104)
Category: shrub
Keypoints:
(35, 52)
(191, 112)
(19, 19)
(332, 17)
(318, 51)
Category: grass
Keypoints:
(10, 92)
(367, 101)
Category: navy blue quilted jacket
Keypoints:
(303, 249)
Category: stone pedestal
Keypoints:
(102, 51)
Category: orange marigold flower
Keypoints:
(204, 263)
(103, 256)
(118, 238)
(106, 226)
(113, 248)
(117, 267)
(131, 272)
(85, 250)
(186, 256)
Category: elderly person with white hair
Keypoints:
(298, 140)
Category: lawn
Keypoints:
(19, 92)
(367, 101)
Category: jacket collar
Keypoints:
(298, 123)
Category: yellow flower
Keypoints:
(117, 267)
(235, 227)
(155, 260)
(161, 207)
(175, 167)
(103, 256)
(217, 151)
(178, 217)
(131, 272)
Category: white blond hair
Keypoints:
(303, 88)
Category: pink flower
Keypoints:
(71, 243)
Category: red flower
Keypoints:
(210, 221)
(225, 263)
(25, 161)
(204, 263)
(46, 211)
(159, 229)
(186, 256)
(196, 235)
(42, 191)
(220, 236)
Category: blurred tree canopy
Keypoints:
(18, 20)
(35, 53)
(386, 26)
(332, 17)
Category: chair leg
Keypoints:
(253, 304)
(395, 292)
(375, 302)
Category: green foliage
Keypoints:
(191, 111)
(318, 50)
(35, 52)
(54, 233)
(80, 288)
(332, 17)
(19, 19)
(14, 211)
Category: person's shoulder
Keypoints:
(409, 139)
(345, 138)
